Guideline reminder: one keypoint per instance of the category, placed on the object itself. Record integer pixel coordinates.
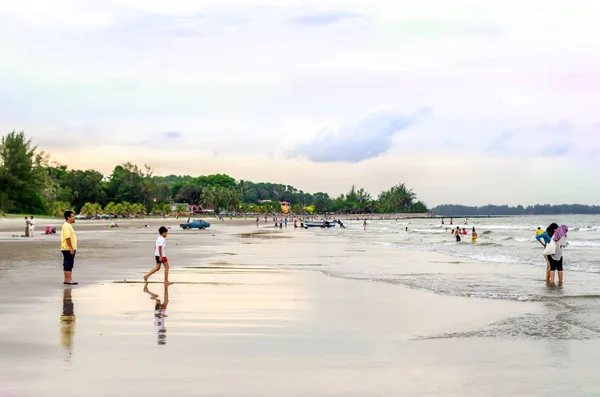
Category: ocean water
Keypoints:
(508, 265)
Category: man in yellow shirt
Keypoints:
(68, 247)
(539, 231)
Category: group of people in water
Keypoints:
(554, 240)
(458, 233)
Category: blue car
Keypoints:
(195, 224)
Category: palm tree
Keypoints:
(110, 208)
(210, 197)
(234, 198)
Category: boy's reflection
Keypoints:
(160, 312)
(67, 320)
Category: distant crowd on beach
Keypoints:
(30, 228)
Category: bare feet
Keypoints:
(146, 278)
(168, 282)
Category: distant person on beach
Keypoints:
(473, 235)
(160, 254)
(31, 226)
(68, 247)
(257, 222)
(442, 221)
(365, 224)
(26, 227)
(457, 234)
(546, 237)
(556, 260)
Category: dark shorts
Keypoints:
(68, 260)
(159, 260)
(457, 238)
(555, 265)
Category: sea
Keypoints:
(505, 263)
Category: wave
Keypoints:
(584, 243)
(436, 283)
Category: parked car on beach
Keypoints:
(195, 224)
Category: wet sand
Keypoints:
(250, 314)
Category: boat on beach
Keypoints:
(322, 224)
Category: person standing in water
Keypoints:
(556, 260)
(545, 238)
(365, 224)
(473, 235)
(457, 234)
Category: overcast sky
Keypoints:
(470, 102)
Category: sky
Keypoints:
(467, 102)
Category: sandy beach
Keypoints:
(251, 314)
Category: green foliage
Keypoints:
(84, 186)
(161, 209)
(23, 178)
(58, 208)
(91, 209)
(399, 198)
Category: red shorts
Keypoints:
(160, 260)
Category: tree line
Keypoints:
(30, 182)
(505, 210)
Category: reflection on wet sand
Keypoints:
(67, 320)
(160, 312)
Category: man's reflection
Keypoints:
(160, 312)
(67, 320)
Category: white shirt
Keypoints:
(560, 244)
(160, 242)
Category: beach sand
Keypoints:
(250, 314)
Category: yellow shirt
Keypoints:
(67, 232)
(538, 232)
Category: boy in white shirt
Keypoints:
(160, 255)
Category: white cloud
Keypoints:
(369, 137)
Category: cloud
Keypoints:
(173, 135)
(367, 138)
(323, 18)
